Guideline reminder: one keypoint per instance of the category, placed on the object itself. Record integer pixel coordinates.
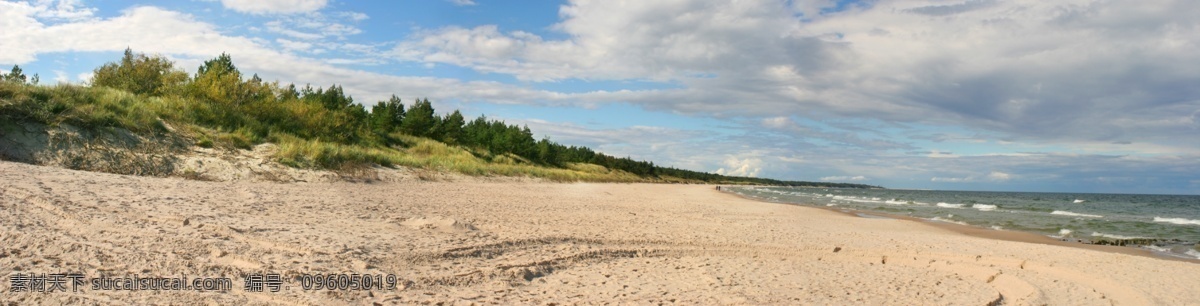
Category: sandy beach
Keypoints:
(467, 241)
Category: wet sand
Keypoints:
(475, 242)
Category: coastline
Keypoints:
(986, 233)
(489, 242)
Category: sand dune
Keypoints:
(530, 243)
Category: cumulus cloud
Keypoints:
(274, 6)
(1073, 71)
(188, 41)
(748, 167)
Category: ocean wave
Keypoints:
(1180, 221)
(1189, 254)
(1157, 248)
(1062, 233)
(984, 207)
(950, 205)
(1118, 237)
(948, 221)
(895, 202)
(1074, 214)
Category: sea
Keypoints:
(1168, 225)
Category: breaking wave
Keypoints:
(950, 205)
(1118, 237)
(984, 207)
(1180, 221)
(1074, 214)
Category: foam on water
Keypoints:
(950, 205)
(984, 207)
(1074, 214)
(939, 219)
(1173, 252)
(1180, 221)
(1118, 237)
(1157, 248)
(1062, 233)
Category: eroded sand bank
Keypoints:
(530, 243)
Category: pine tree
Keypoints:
(15, 76)
(451, 128)
(219, 80)
(387, 116)
(419, 121)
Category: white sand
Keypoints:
(531, 243)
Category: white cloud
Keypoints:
(70, 10)
(994, 176)
(998, 176)
(777, 122)
(844, 178)
(313, 26)
(1030, 70)
(462, 2)
(61, 77)
(274, 6)
(811, 8)
(188, 41)
(85, 77)
(291, 45)
(748, 167)
(948, 179)
(940, 154)
(354, 16)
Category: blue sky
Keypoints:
(1023, 95)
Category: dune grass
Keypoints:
(425, 153)
(100, 107)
